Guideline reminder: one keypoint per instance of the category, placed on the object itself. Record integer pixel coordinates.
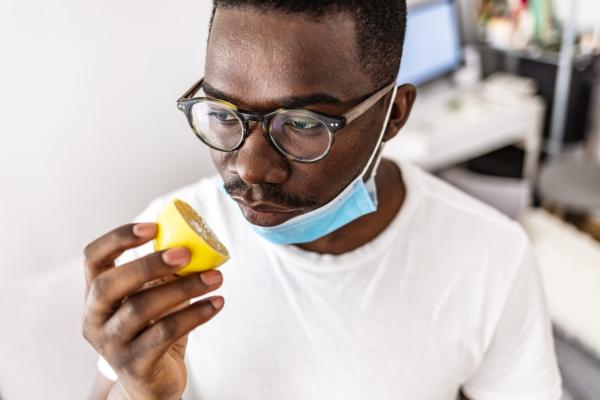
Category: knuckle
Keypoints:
(167, 329)
(110, 350)
(118, 236)
(108, 343)
(100, 287)
(88, 253)
(122, 236)
(133, 309)
(114, 330)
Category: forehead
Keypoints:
(257, 56)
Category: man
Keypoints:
(349, 278)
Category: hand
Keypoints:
(138, 316)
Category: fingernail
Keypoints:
(176, 257)
(217, 302)
(211, 277)
(144, 230)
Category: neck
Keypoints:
(390, 193)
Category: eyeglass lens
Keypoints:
(217, 125)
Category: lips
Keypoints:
(265, 213)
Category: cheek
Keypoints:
(219, 160)
(353, 149)
(327, 178)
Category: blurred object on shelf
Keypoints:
(531, 26)
(471, 73)
(590, 42)
(545, 31)
(517, 24)
(499, 33)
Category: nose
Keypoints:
(257, 161)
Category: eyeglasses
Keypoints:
(300, 135)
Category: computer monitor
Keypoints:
(432, 45)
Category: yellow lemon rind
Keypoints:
(180, 226)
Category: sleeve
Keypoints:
(148, 215)
(520, 362)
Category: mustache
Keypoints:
(268, 192)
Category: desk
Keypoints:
(449, 126)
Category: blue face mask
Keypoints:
(356, 200)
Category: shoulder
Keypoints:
(462, 238)
(473, 251)
(456, 216)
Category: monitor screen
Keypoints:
(432, 46)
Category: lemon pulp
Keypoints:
(179, 225)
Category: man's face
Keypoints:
(261, 61)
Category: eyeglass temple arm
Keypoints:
(187, 95)
(368, 103)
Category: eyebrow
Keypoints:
(284, 102)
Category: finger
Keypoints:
(108, 290)
(156, 340)
(101, 254)
(141, 309)
(92, 324)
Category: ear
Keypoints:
(403, 103)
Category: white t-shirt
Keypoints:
(448, 296)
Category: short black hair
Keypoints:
(381, 27)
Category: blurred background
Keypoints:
(508, 111)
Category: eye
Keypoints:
(303, 125)
(222, 116)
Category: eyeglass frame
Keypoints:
(331, 122)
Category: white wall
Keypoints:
(89, 128)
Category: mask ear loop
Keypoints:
(378, 152)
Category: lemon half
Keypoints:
(179, 225)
